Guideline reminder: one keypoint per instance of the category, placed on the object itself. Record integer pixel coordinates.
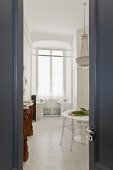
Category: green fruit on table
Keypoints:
(80, 112)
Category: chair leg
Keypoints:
(63, 126)
(83, 134)
(72, 137)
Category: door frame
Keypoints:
(18, 85)
(93, 23)
(18, 78)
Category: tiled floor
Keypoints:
(46, 152)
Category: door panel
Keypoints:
(11, 85)
(101, 81)
(6, 85)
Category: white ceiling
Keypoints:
(54, 16)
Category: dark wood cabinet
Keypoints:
(25, 134)
(30, 115)
(27, 130)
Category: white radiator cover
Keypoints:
(50, 107)
(51, 111)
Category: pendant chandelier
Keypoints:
(83, 59)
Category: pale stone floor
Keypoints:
(46, 152)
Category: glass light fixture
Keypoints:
(83, 59)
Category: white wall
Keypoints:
(53, 37)
(82, 79)
(26, 63)
(74, 70)
(54, 44)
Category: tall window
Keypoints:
(50, 84)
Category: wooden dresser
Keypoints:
(27, 128)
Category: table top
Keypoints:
(75, 118)
(63, 102)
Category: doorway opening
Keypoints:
(54, 86)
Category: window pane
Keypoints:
(57, 78)
(43, 77)
(50, 75)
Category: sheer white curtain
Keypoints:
(50, 83)
(43, 75)
(57, 75)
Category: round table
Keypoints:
(83, 121)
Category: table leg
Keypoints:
(83, 134)
(63, 126)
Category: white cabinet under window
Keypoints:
(39, 110)
(64, 106)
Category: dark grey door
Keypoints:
(11, 67)
(101, 84)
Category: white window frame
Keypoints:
(64, 70)
(70, 99)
